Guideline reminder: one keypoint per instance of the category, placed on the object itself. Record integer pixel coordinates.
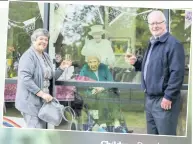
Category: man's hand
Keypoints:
(130, 58)
(166, 104)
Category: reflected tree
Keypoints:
(178, 28)
(76, 26)
(18, 13)
(18, 37)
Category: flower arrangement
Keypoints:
(9, 56)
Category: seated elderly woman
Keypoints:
(35, 78)
(104, 111)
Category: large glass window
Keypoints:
(121, 30)
(126, 29)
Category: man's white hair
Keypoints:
(157, 12)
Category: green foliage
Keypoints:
(142, 30)
(18, 38)
(178, 30)
(76, 29)
(20, 12)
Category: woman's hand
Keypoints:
(45, 96)
(65, 64)
(97, 90)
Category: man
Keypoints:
(58, 59)
(162, 69)
(105, 113)
(100, 46)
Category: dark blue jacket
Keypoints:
(165, 72)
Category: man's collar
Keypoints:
(161, 38)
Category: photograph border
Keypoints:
(134, 138)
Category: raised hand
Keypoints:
(65, 64)
(130, 58)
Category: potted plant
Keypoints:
(9, 58)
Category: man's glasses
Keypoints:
(156, 23)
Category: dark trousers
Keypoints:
(160, 121)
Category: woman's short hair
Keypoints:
(39, 32)
(93, 56)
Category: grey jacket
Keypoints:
(30, 82)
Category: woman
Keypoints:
(35, 77)
(101, 46)
(105, 112)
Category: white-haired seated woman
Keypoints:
(103, 111)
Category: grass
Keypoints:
(135, 119)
